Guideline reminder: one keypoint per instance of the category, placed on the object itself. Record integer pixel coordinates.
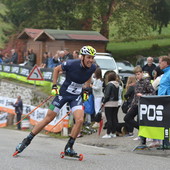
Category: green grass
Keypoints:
(128, 50)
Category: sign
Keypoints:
(35, 74)
(154, 116)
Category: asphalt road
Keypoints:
(44, 154)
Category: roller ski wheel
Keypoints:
(141, 147)
(80, 156)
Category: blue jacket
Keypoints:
(164, 87)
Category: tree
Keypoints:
(160, 13)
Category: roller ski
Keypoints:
(21, 146)
(91, 130)
(141, 147)
(69, 152)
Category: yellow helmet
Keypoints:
(88, 50)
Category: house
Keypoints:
(51, 40)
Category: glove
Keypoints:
(54, 90)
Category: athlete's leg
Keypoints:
(49, 117)
(79, 118)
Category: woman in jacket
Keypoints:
(110, 102)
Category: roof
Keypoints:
(53, 34)
(29, 33)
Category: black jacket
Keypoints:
(130, 94)
(111, 93)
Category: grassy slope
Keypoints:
(154, 45)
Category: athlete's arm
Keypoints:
(56, 73)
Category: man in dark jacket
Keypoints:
(14, 57)
(67, 55)
(18, 110)
(31, 58)
(149, 67)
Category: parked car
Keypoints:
(106, 62)
(125, 69)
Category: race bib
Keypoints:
(74, 88)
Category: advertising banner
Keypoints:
(154, 116)
(37, 116)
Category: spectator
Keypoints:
(6, 58)
(14, 57)
(61, 56)
(110, 101)
(164, 89)
(1, 60)
(149, 67)
(157, 72)
(45, 60)
(143, 87)
(56, 60)
(129, 95)
(51, 63)
(67, 55)
(18, 110)
(75, 54)
(1, 57)
(31, 58)
(97, 88)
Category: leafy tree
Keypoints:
(160, 13)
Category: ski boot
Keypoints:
(22, 146)
(70, 152)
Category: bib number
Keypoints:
(74, 88)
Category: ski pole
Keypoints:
(58, 122)
(49, 97)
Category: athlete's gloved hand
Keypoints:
(54, 90)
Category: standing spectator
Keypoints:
(164, 86)
(75, 54)
(14, 57)
(67, 55)
(31, 58)
(18, 110)
(143, 87)
(97, 89)
(149, 67)
(157, 72)
(111, 97)
(129, 95)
